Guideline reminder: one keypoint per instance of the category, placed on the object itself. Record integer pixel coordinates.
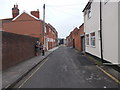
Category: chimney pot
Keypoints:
(15, 11)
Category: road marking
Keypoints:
(116, 80)
(7, 86)
(33, 73)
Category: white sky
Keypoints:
(64, 15)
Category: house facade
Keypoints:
(51, 36)
(69, 40)
(119, 29)
(101, 29)
(76, 38)
(25, 24)
(28, 24)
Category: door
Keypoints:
(73, 43)
(82, 43)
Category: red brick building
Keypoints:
(76, 38)
(28, 24)
(51, 35)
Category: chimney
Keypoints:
(35, 13)
(15, 11)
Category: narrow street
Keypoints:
(67, 68)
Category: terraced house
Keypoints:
(101, 25)
(76, 38)
(28, 24)
(51, 36)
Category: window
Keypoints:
(89, 12)
(45, 30)
(93, 39)
(87, 39)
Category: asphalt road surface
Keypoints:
(67, 68)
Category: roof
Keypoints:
(28, 14)
(88, 4)
(81, 25)
(6, 20)
(75, 30)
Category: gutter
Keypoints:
(101, 44)
(88, 4)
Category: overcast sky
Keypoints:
(64, 15)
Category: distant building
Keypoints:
(101, 29)
(61, 41)
(76, 39)
(28, 24)
(51, 36)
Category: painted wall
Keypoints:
(110, 31)
(119, 32)
(92, 25)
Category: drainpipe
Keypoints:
(101, 31)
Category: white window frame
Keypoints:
(89, 12)
(99, 34)
(92, 40)
(87, 40)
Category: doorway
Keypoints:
(82, 43)
(73, 43)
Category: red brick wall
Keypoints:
(16, 48)
(77, 37)
(70, 40)
(52, 35)
(80, 32)
(25, 25)
(35, 13)
(74, 38)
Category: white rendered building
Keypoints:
(101, 29)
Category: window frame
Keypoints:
(89, 15)
(87, 40)
(99, 35)
(92, 39)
